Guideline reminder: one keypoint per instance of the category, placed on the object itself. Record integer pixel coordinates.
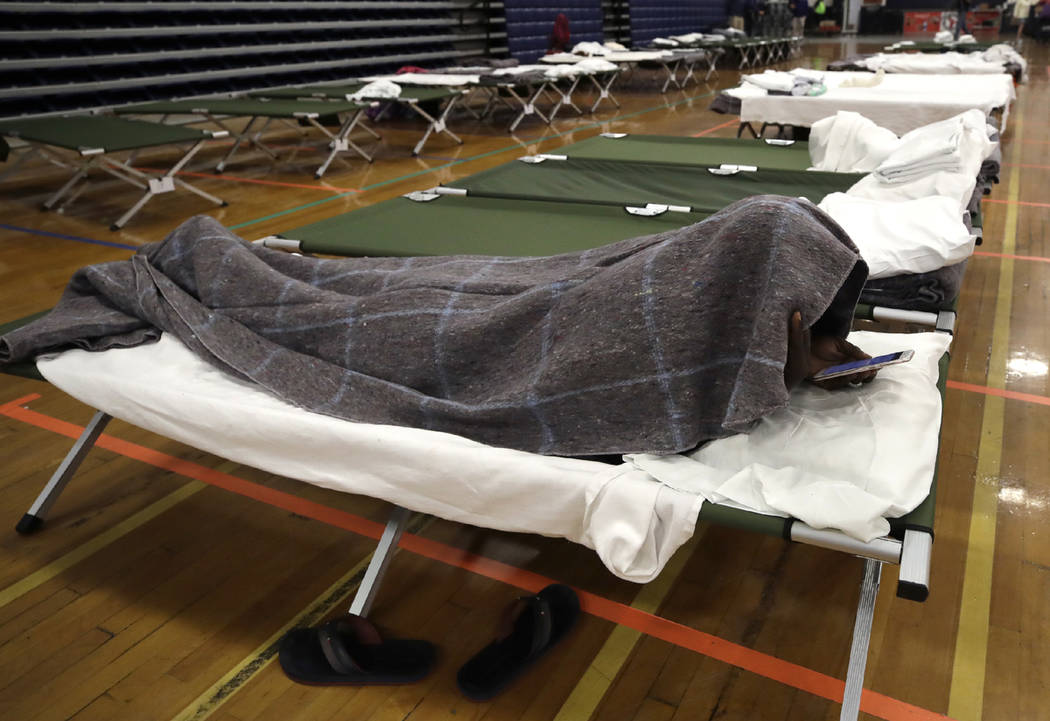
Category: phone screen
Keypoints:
(860, 365)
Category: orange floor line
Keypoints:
(771, 667)
(1004, 201)
(1037, 258)
(1012, 395)
(717, 127)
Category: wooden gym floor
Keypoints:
(164, 575)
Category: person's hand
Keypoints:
(808, 355)
(827, 351)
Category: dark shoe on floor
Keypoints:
(350, 652)
(531, 626)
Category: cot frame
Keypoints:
(912, 553)
(91, 158)
(335, 90)
(339, 142)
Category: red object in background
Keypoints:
(927, 21)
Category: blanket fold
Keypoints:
(650, 344)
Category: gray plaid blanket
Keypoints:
(650, 344)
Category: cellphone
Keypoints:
(881, 361)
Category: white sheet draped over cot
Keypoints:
(634, 521)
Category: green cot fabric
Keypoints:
(617, 183)
(454, 225)
(257, 107)
(692, 151)
(99, 131)
(26, 369)
(339, 92)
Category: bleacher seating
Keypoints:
(660, 18)
(60, 56)
(529, 24)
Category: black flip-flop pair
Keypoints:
(351, 651)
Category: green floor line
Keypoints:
(470, 159)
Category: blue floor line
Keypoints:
(77, 238)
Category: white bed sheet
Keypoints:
(440, 79)
(899, 103)
(630, 56)
(632, 520)
(842, 459)
(933, 63)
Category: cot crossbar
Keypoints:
(151, 183)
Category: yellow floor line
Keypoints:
(610, 659)
(236, 678)
(27, 584)
(966, 698)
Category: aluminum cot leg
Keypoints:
(155, 186)
(858, 653)
(37, 514)
(436, 124)
(365, 595)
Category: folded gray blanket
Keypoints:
(932, 291)
(649, 344)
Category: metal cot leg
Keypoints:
(436, 124)
(858, 654)
(37, 513)
(366, 593)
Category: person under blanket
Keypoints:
(652, 344)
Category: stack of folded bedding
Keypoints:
(590, 48)
(778, 82)
(386, 89)
(922, 187)
(942, 158)
(943, 37)
(927, 151)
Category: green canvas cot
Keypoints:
(308, 111)
(412, 97)
(700, 189)
(93, 138)
(768, 154)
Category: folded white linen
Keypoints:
(809, 74)
(665, 42)
(944, 36)
(958, 186)
(439, 79)
(589, 48)
(383, 89)
(596, 65)
(772, 80)
(847, 142)
(859, 81)
(833, 459)
(617, 47)
(561, 58)
(966, 39)
(937, 63)
(896, 237)
(955, 145)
